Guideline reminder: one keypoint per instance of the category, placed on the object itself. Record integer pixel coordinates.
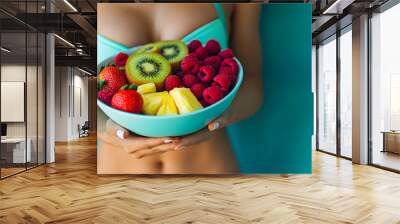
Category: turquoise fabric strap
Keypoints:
(107, 48)
(221, 14)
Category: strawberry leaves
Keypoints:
(100, 84)
(129, 87)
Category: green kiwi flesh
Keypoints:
(148, 48)
(173, 50)
(147, 67)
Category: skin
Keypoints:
(207, 151)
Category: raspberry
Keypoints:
(197, 89)
(189, 80)
(206, 73)
(105, 95)
(201, 53)
(229, 65)
(224, 92)
(172, 81)
(190, 64)
(192, 55)
(213, 47)
(224, 81)
(214, 61)
(193, 45)
(120, 59)
(212, 94)
(227, 53)
(227, 70)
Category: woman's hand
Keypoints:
(137, 146)
(140, 147)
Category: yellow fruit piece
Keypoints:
(168, 106)
(185, 100)
(146, 88)
(152, 102)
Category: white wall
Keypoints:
(314, 88)
(70, 84)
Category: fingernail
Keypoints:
(180, 147)
(120, 134)
(167, 141)
(215, 126)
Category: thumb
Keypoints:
(114, 129)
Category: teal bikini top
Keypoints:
(215, 29)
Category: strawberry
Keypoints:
(113, 77)
(128, 101)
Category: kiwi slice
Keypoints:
(173, 50)
(147, 67)
(148, 48)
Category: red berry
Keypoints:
(120, 59)
(128, 101)
(214, 84)
(229, 65)
(105, 95)
(201, 53)
(213, 47)
(114, 78)
(172, 81)
(224, 81)
(227, 53)
(212, 94)
(190, 64)
(227, 70)
(189, 80)
(214, 61)
(197, 89)
(193, 45)
(206, 73)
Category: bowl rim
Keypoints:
(239, 81)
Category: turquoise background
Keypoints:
(278, 138)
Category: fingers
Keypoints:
(130, 142)
(153, 142)
(193, 139)
(114, 129)
(153, 151)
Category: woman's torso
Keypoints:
(140, 23)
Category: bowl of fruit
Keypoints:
(168, 88)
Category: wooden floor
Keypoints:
(69, 191)
(387, 159)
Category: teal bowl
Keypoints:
(171, 125)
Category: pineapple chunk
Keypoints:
(146, 88)
(185, 100)
(152, 102)
(168, 107)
